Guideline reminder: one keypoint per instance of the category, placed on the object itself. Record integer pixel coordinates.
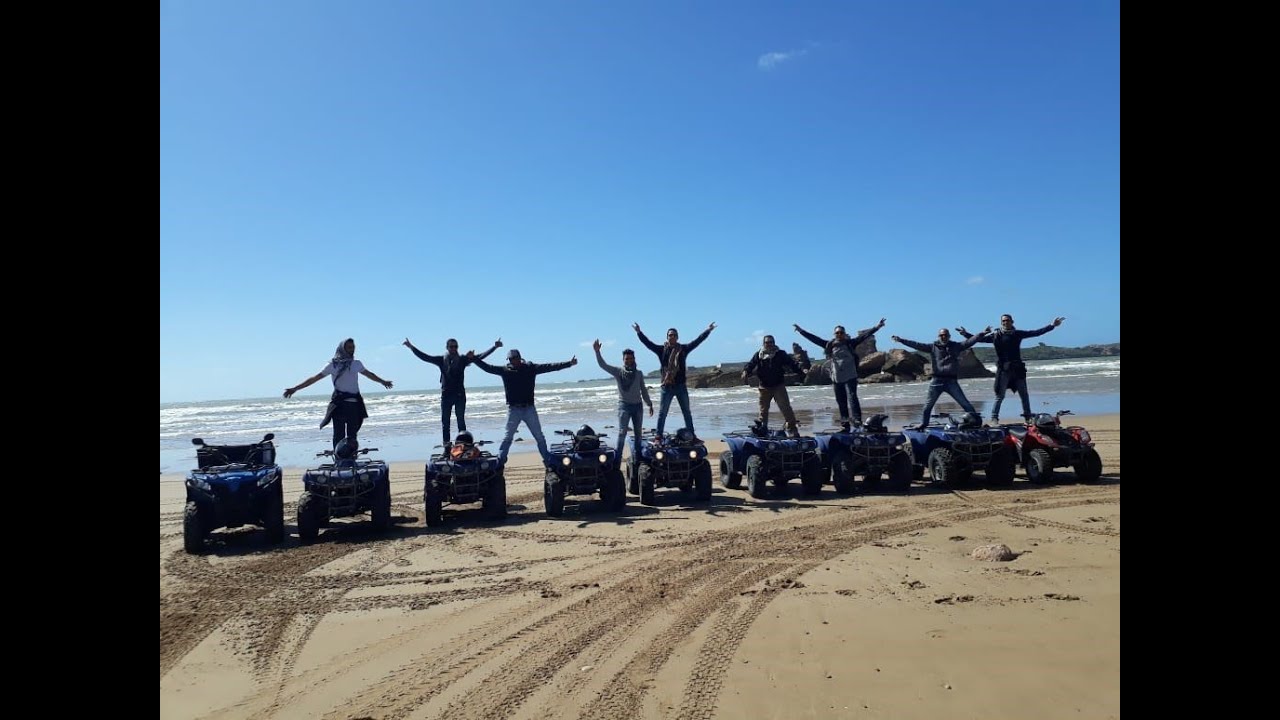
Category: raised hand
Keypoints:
(386, 384)
(881, 324)
(635, 326)
(895, 338)
(962, 331)
(288, 393)
(596, 345)
(406, 343)
(711, 327)
(1058, 321)
(497, 343)
(573, 360)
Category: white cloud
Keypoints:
(756, 337)
(771, 60)
(976, 280)
(603, 343)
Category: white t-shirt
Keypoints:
(349, 382)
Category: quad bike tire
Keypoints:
(728, 478)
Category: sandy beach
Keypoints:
(825, 607)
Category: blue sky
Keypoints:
(550, 172)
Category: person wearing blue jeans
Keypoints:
(1011, 371)
(453, 395)
(945, 356)
(633, 395)
(842, 350)
(671, 356)
(517, 380)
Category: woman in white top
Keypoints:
(346, 407)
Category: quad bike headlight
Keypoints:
(203, 485)
(265, 480)
(484, 465)
(565, 461)
(659, 455)
(603, 458)
(693, 454)
(1083, 436)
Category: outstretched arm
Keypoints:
(752, 364)
(369, 374)
(811, 337)
(485, 366)
(971, 341)
(862, 338)
(698, 340)
(305, 383)
(910, 343)
(539, 368)
(433, 359)
(616, 372)
(657, 349)
(1036, 333)
(496, 344)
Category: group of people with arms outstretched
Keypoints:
(346, 409)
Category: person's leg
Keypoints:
(763, 401)
(446, 406)
(513, 421)
(954, 390)
(664, 405)
(842, 402)
(339, 427)
(460, 409)
(624, 424)
(1026, 398)
(855, 407)
(682, 394)
(353, 428)
(535, 429)
(637, 423)
(935, 392)
(784, 405)
(1001, 385)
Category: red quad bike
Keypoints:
(1044, 444)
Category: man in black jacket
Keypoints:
(671, 356)
(453, 395)
(945, 354)
(517, 380)
(771, 365)
(1011, 371)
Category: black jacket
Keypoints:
(772, 371)
(945, 357)
(518, 381)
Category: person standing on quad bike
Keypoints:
(945, 354)
(631, 392)
(770, 365)
(843, 368)
(518, 377)
(1011, 371)
(346, 406)
(453, 395)
(672, 355)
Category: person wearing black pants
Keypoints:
(843, 368)
(346, 407)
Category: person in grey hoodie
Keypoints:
(631, 393)
(945, 354)
(843, 368)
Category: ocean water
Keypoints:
(405, 425)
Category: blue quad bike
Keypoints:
(669, 460)
(584, 464)
(870, 450)
(761, 455)
(464, 473)
(233, 485)
(954, 449)
(347, 486)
